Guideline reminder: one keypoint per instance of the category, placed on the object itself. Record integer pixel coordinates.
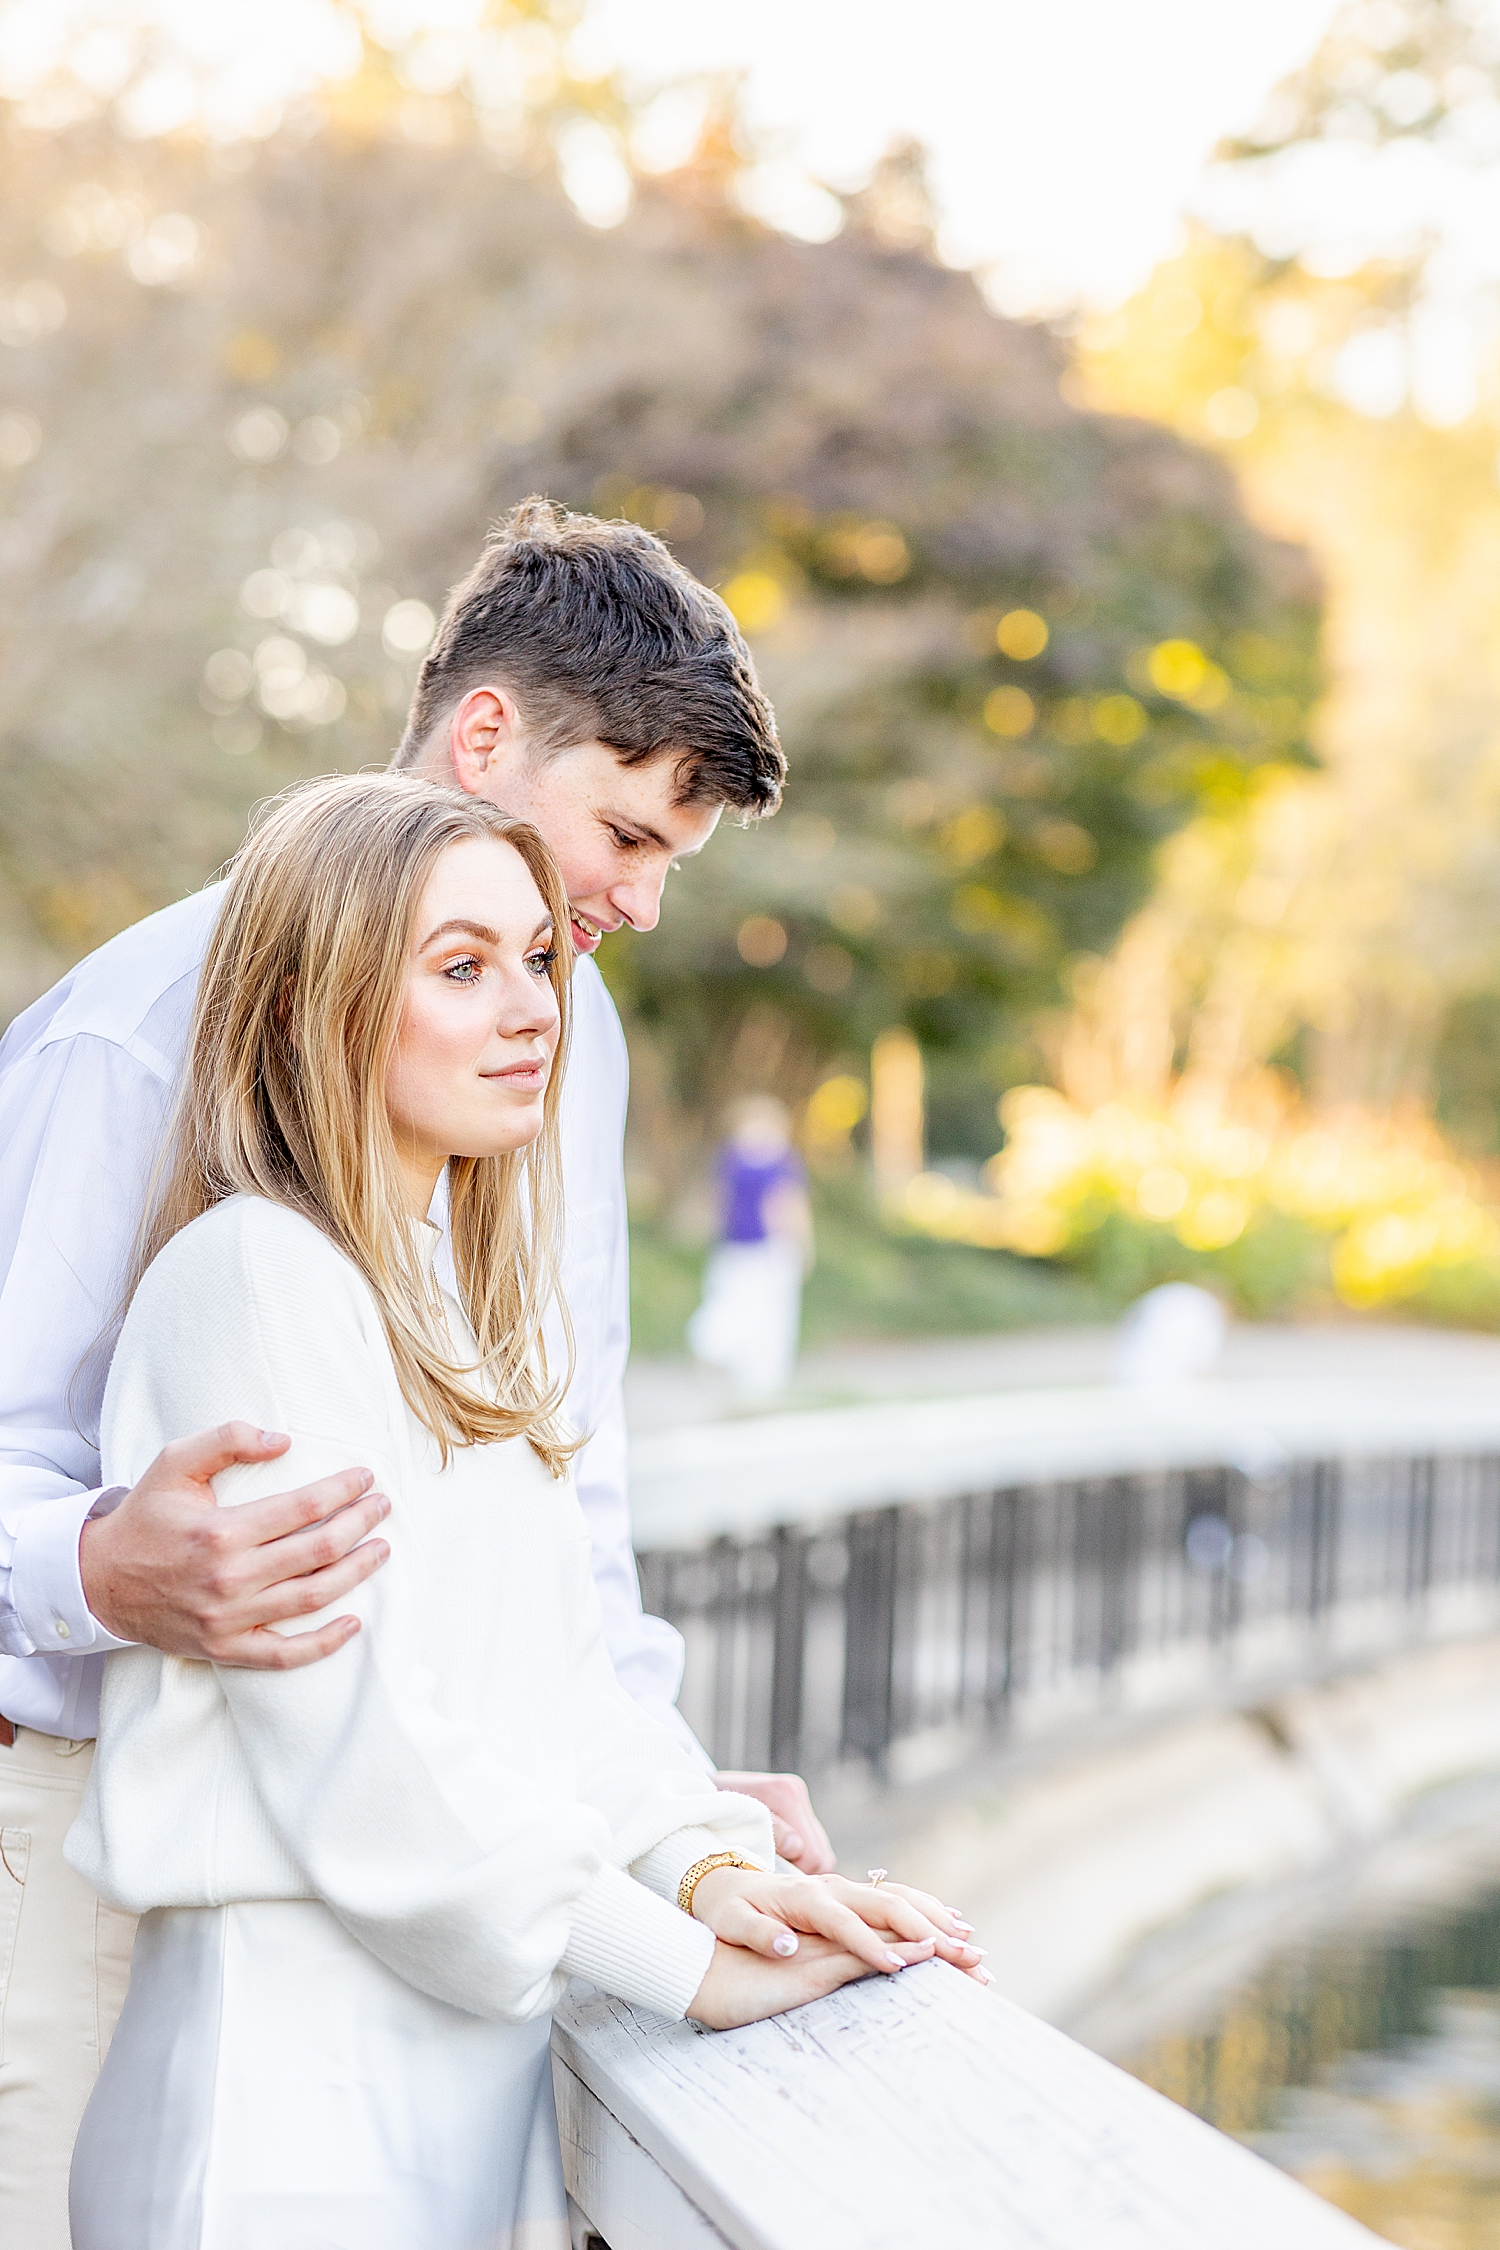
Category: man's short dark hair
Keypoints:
(601, 636)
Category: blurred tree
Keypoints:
(259, 400)
(1350, 923)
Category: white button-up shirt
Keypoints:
(88, 1075)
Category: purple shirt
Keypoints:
(746, 1186)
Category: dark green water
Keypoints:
(1366, 2061)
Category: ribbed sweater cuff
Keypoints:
(629, 1942)
(662, 1868)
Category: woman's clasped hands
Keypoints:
(788, 1939)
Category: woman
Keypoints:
(363, 1883)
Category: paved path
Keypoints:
(664, 1394)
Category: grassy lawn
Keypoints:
(869, 1282)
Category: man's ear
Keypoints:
(483, 737)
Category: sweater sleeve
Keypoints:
(664, 1812)
(451, 1868)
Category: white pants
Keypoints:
(272, 2086)
(64, 1967)
(750, 1314)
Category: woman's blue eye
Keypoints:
(456, 970)
(540, 963)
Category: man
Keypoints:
(580, 679)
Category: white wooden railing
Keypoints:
(734, 1479)
(925, 2112)
(916, 2113)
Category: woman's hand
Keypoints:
(743, 1987)
(764, 1914)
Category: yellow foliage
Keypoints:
(972, 835)
(756, 599)
(1021, 635)
(1393, 1207)
(1390, 1200)
(1009, 711)
(832, 1114)
(1119, 719)
(1180, 669)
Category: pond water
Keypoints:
(1365, 2059)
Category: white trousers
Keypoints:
(750, 1314)
(272, 2086)
(64, 1967)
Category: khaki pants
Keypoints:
(64, 1967)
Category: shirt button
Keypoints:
(64, 1630)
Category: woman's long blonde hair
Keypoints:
(284, 1097)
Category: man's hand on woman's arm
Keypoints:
(798, 1833)
(171, 1568)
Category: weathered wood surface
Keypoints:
(695, 1483)
(914, 2111)
(624, 2194)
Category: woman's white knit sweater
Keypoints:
(464, 1785)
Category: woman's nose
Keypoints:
(528, 1006)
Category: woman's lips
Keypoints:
(584, 939)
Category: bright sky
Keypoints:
(1067, 136)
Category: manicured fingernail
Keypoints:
(785, 1944)
(790, 1846)
(273, 1437)
(982, 1976)
(894, 1961)
(963, 1928)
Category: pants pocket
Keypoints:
(15, 1858)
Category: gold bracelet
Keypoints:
(702, 1867)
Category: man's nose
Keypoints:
(639, 899)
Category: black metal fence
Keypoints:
(1025, 1606)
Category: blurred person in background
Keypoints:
(582, 680)
(751, 1312)
(1173, 1334)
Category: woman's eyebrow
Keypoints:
(480, 930)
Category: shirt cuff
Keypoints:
(633, 1944)
(46, 1584)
